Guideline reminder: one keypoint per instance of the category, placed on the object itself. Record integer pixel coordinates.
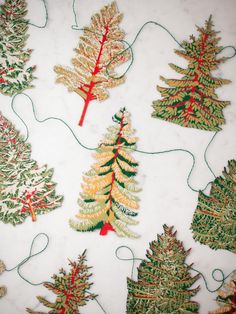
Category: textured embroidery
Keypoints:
(192, 101)
(107, 201)
(214, 221)
(100, 44)
(14, 78)
(72, 289)
(25, 189)
(3, 289)
(164, 279)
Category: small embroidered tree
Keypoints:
(14, 78)
(191, 101)
(214, 220)
(164, 279)
(107, 202)
(72, 289)
(3, 289)
(101, 45)
(26, 189)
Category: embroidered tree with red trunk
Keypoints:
(107, 201)
(192, 101)
(25, 189)
(101, 45)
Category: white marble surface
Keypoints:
(165, 196)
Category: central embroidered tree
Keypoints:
(191, 101)
(164, 279)
(100, 46)
(107, 202)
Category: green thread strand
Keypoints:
(46, 17)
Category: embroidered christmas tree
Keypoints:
(164, 279)
(107, 201)
(227, 297)
(25, 189)
(71, 289)
(191, 101)
(3, 289)
(14, 76)
(100, 51)
(214, 220)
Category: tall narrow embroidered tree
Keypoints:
(191, 101)
(72, 289)
(214, 220)
(25, 189)
(164, 279)
(100, 46)
(107, 201)
(14, 77)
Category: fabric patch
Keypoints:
(14, 78)
(100, 44)
(26, 189)
(72, 289)
(3, 289)
(191, 101)
(214, 220)
(107, 201)
(164, 279)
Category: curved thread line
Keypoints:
(46, 17)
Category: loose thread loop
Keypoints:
(99, 304)
(226, 47)
(46, 17)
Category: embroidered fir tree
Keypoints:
(191, 101)
(107, 201)
(14, 76)
(214, 220)
(100, 46)
(164, 279)
(3, 289)
(71, 290)
(25, 189)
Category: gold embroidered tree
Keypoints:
(107, 201)
(214, 220)
(101, 43)
(191, 101)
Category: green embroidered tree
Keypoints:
(107, 201)
(3, 289)
(164, 279)
(214, 220)
(72, 289)
(14, 77)
(191, 101)
(25, 189)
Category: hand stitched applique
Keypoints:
(3, 289)
(14, 78)
(107, 201)
(26, 190)
(214, 220)
(100, 46)
(72, 289)
(191, 101)
(164, 279)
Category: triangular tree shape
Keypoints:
(107, 201)
(25, 189)
(101, 45)
(14, 77)
(214, 220)
(164, 279)
(191, 101)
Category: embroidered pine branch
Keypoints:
(214, 220)
(71, 290)
(164, 279)
(3, 289)
(107, 201)
(191, 101)
(100, 44)
(26, 189)
(14, 77)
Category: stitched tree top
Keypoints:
(101, 43)
(214, 220)
(191, 101)
(25, 189)
(107, 201)
(164, 279)
(70, 288)
(14, 77)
